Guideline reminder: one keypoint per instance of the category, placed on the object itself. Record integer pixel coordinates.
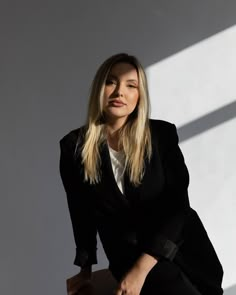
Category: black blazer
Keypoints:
(155, 217)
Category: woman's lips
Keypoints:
(117, 103)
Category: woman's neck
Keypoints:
(112, 129)
(113, 137)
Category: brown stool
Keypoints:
(103, 283)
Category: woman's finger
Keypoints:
(119, 292)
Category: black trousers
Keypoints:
(165, 278)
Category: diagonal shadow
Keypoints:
(207, 122)
(230, 291)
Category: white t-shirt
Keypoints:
(118, 164)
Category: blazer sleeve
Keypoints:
(163, 232)
(80, 208)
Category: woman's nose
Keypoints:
(119, 91)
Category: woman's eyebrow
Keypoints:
(132, 80)
(112, 76)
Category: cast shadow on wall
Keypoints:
(230, 291)
(207, 121)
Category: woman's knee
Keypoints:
(167, 278)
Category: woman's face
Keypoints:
(121, 92)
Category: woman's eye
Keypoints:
(110, 82)
(132, 86)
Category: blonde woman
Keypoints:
(125, 177)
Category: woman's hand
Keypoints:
(132, 282)
(79, 281)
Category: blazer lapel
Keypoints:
(131, 194)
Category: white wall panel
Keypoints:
(188, 85)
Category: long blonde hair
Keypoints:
(134, 135)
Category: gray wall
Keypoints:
(49, 53)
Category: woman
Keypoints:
(125, 177)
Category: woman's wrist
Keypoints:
(145, 263)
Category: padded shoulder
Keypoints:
(161, 124)
(164, 135)
(72, 140)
